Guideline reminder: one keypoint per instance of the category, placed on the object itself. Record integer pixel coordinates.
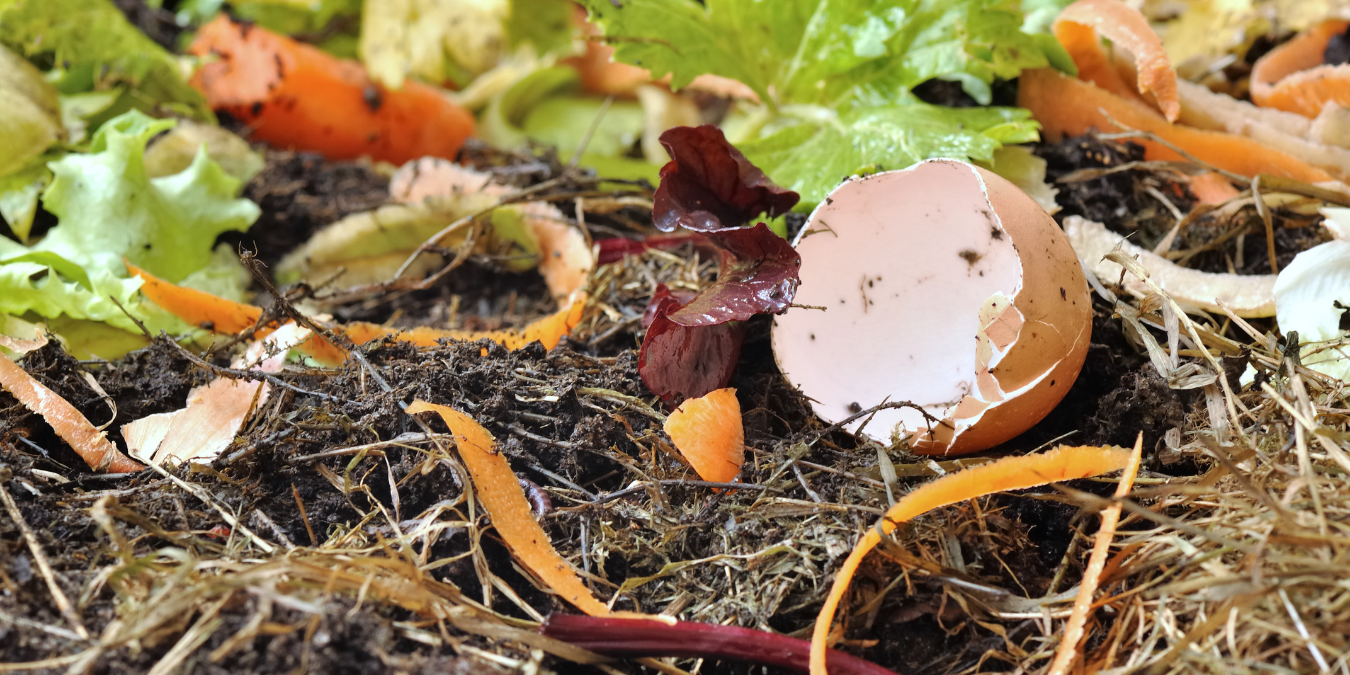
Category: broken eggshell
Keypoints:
(943, 285)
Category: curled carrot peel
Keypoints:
(73, 428)
(1293, 77)
(1066, 106)
(294, 95)
(549, 330)
(1082, 605)
(1077, 29)
(1009, 473)
(219, 315)
(498, 490)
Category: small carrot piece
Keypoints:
(1068, 107)
(1082, 604)
(1009, 473)
(548, 330)
(1211, 188)
(708, 432)
(1292, 76)
(1077, 28)
(74, 428)
(294, 95)
(199, 308)
(498, 489)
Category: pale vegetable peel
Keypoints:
(1245, 295)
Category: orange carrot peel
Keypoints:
(498, 490)
(222, 316)
(1292, 76)
(1082, 604)
(548, 330)
(199, 308)
(294, 95)
(1009, 473)
(74, 428)
(1066, 106)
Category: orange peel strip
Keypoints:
(74, 428)
(1009, 473)
(548, 330)
(198, 308)
(1292, 76)
(1068, 107)
(1077, 29)
(499, 491)
(1082, 605)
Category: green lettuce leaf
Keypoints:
(836, 76)
(816, 154)
(823, 51)
(110, 209)
(94, 47)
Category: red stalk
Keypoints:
(687, 639)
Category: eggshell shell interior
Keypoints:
(944, 285)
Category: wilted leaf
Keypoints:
(30, 113)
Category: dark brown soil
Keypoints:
(555, 435)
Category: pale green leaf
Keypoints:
(812, 157)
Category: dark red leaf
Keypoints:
(758, 275)
(679, 362)
(690, 640)
(709, 185)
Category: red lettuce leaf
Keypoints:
(681, 362)
(758, 275)
(709, 185)
(690, 640)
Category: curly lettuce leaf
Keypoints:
(110, 209)
(96, 48)
(815, 154)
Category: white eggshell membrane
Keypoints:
(943, 285)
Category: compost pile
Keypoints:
(292, 386)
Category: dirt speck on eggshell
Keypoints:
(983, 318)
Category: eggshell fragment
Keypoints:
(943, 285)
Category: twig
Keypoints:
(34, 547)
(640, 487)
